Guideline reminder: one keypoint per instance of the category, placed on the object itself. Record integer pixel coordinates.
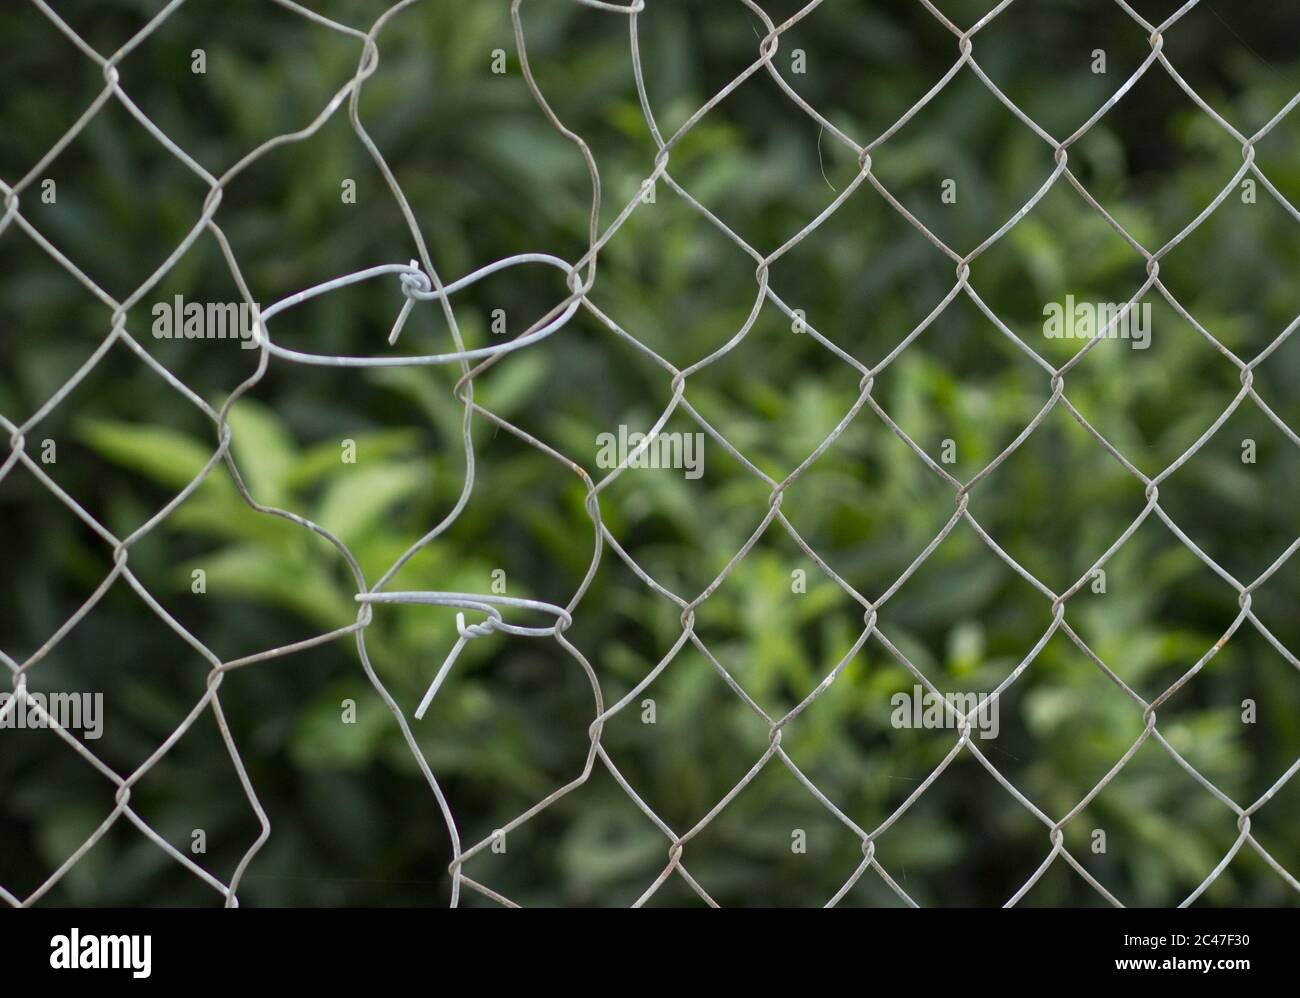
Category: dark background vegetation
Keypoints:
(352, 820)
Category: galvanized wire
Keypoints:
(419, 281)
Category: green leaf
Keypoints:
(223, 513)
(253, 572)
(321, 460)
(358, 502)
(264, 451)
(161, 454)
(516, 383)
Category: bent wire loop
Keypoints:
(486, 605)
(416, 286)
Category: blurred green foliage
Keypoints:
(486, 175)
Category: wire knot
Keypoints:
(415, 281)
(415, 285)
(474, 630)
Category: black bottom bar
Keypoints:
(337, 947)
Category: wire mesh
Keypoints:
(419, 281)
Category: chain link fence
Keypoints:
(420, 284)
